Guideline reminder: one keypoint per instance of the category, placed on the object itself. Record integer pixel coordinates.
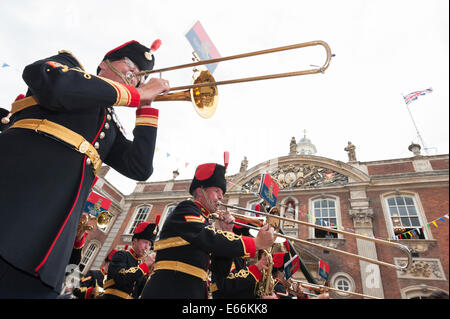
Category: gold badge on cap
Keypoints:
(148, 56)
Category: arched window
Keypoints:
(139, 217)
(325, 212)
(404, 217)
(88, 254)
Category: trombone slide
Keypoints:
(305, 242)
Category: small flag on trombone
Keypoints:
(202, 45)
(291, 267)
(269, 189)
(324, 269)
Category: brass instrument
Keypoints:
(203, 92)
(265, 286)
(98, 291)
(323, 289)
(104, 218)
(404, 248)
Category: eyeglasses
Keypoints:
(134, 67)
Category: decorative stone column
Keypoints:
(362, 216)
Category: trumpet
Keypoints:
(404, 248)
(203, 93)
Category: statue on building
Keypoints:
(244, 165)
(350, 149)
(293, 146)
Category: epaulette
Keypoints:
(72, 55)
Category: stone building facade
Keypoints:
(404, 200)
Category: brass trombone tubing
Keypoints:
(312, 286)
(244, 55)
(380, 241)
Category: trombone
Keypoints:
(305, 242)
(203, 92)
(322, 289)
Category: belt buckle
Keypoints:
(84, 146)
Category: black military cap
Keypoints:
(209, 175)
(136, 52)
(145, 231)
(279, 259)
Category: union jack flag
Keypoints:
(414, 95)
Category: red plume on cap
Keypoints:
(158, 217)
(19, 97)
(155, 45)
(226, 159)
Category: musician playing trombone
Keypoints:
(188, 243)
(241, 280)
(129, 269)
(53, 142)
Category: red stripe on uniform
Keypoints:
(65, 221)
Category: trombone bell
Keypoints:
(103, 219)
(204, 98)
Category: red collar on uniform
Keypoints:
(205, 212)
(133, 253)
(104, 272)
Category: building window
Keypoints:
(404, 217)
(342, 284)
(325, 215)
(139, 217)
(88, 253)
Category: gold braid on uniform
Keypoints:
(227, 234)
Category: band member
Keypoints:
(241, 280)
(91, 284)
(52, 149)
(280, 289)
(129, 269)
(188, 242)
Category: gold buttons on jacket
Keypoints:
(102, 135)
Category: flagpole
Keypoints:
(417, 130)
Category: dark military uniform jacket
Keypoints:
(126, 276)
(239, 283)
(280, 290)
(186, 245)
(45, 182)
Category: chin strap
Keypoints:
(117, 72)
(211, 207)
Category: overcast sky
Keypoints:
(384, 50)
